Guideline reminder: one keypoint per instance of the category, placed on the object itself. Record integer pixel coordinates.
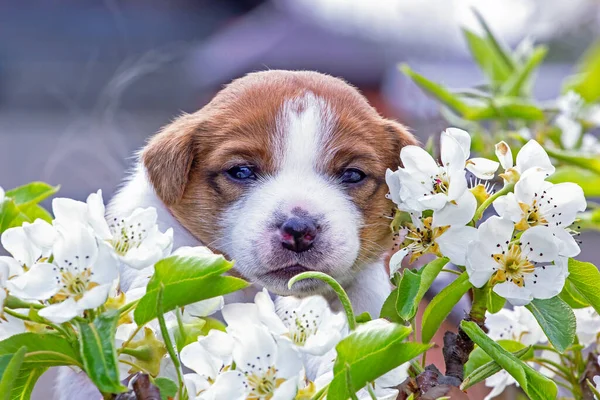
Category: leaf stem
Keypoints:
(320, 393)
(506, 189)
(337, 288)
(168, 343)
(130, 338)
(127, 307)
(479, 306)
(451, 271)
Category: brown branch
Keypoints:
(431, 383)
(592, 368)
(143, 389)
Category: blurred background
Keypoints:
(83, 83)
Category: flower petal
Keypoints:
(16, 242)
(288, 361)
(416, 159)
(60, 312)
(286, 391)
(546, 282)
(462, 137)
(567, 245)
(267, 314)
(198, 359)
(396, 261)
(453, 243)
(517, 296)
(228, 385)
(67, 211)
(482, 167)
(254, 348)
(94, 297)
(570, 131)
(203, 308)
(533, 155)
(39, 283)
(41, 233)
(479, 264)
(96, 218)
(460, 213)
(75, 248)
(504, 155)
(538, 244)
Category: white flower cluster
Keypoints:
(270, 350)
(520, 325)
(274, 351)
(72, 264)
(523, 251)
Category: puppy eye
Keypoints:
(242, 173)
(352, 175)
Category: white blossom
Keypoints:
(424, 185)
(517, 324)
(309, 322)
(536, 202)
(519, 268)
(79, 278)
(531, 157)
(588, 325)
(423, 238)
(136, 239)
(28, 244)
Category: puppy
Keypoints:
(283, 172)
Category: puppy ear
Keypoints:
(400, 134)
(168, 158)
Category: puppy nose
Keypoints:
(298, 234)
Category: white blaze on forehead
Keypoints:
(304, 127)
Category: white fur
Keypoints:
(299, 183)
(249, 226)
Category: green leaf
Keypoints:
(495, 302)
(491, 367)
(519, 81)
(494, 43)
(572, 297)
(10, 366)
(43, 350)
(591, 163)
(389, 311)
(587, 80)
(436, 90)
(414, 285)
(35, 211)
(363, 317)
(32, 193)
(479, 358)
(369, 352)
(491, 63)
(556, 319)
(534, 384)
(10, 215)
(507, 108)
(186, 280)
(442, 304)
(25, 383)
(585, 277)
(167, 387)
(588, 180)
(98, 352)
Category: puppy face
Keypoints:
(283, 172)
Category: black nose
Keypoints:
(298, 234)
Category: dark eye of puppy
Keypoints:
(352, 175)
(242, 173)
